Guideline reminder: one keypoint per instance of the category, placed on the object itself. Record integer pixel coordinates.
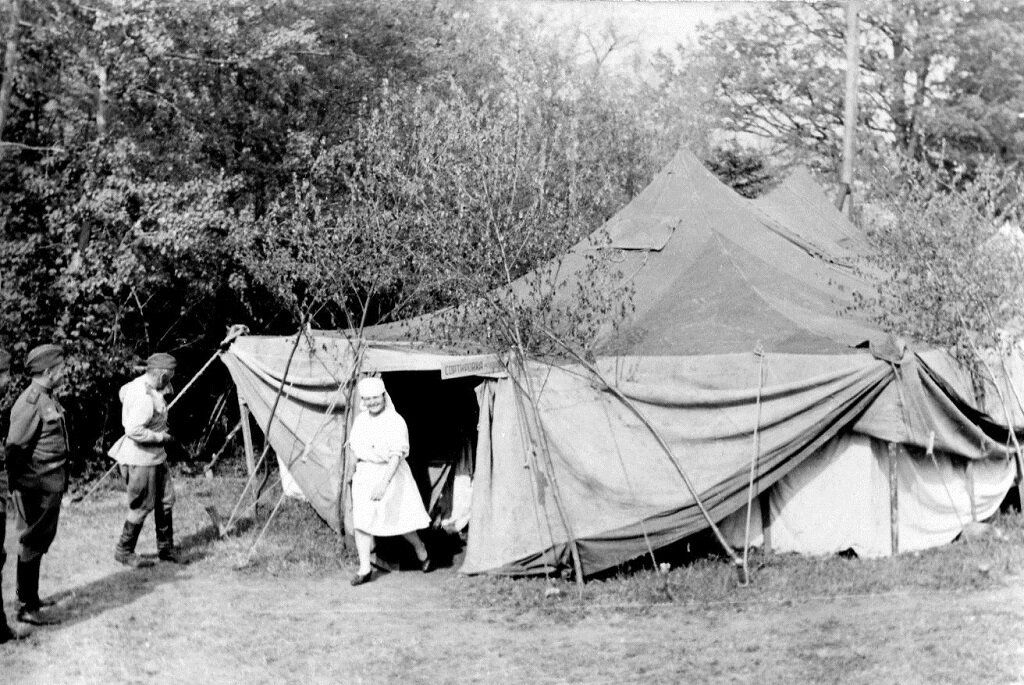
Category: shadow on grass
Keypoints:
(125, 586)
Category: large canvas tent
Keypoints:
(744, 369)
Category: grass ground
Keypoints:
(283, 612)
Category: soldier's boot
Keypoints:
(29, 605)
(124, 551)
(165, 537)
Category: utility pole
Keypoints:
(850, 109)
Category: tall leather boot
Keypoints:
(29, 604)
(165, 537)
(124, 552)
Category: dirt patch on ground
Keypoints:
(210, 622)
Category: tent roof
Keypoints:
(799, 205)
(713, 273)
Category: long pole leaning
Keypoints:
(233, 333)
(661, 442)
(753, 462)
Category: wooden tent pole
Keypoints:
(270, 422)
(894, 531)
(753, 462)
(250, 457)
(849, 107)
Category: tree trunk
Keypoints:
(102, 99)
(10, 68)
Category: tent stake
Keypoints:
(250, 456)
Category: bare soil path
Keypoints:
(210, 623)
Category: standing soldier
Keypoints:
(5, 629)
(37, 464)
(143, 460)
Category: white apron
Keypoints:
(374, 440)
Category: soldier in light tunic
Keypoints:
(143, 459)
(37, 466)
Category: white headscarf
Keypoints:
(372, 387)
(376, 438)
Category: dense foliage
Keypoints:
(168, 169)
(172, 168)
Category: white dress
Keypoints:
(374, 439)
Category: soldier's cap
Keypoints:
(43, 357)
(5, 360)
(161, 360)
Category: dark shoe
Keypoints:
(132, 559)
(35, 617)
(427, 565)
(360, 578)
(381, 565)
(164, 522)
(171, 556)
(124, 551)
(7, 633)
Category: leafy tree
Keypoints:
(143, 134)
(951, 255)
(935, 78)
(174, 168)
(439, 202)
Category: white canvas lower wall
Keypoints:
(838, 499)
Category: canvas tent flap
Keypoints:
(608, 480)
(932, 404)
(308, 428)
(309, 423)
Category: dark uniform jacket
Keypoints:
(37, 442)
(4, 490)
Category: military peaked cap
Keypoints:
(44, 357)
(161, 360)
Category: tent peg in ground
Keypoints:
(218, 525)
